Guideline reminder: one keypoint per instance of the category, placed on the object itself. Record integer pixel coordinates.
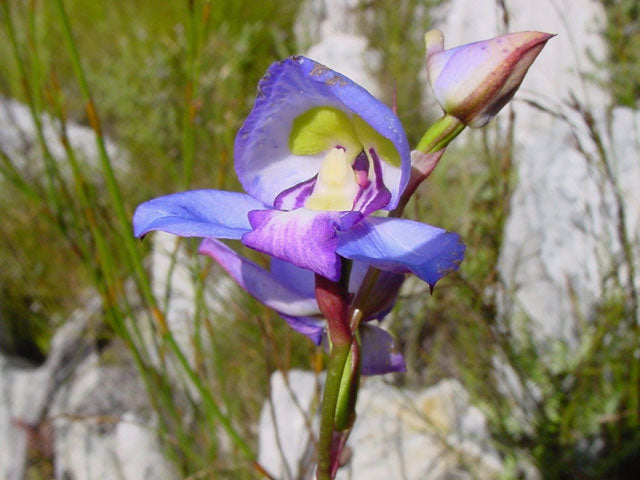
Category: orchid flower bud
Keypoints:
(474, 81)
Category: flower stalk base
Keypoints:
(440, 134)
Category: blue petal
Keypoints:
(299, 279)
(306, 238)
(265, 165)
(314, 328)
(403, 246)
(260, 283)
(381, 296)
(379, 352)
(198, 213)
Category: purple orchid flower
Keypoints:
(317, 156)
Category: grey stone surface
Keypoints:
(175, 273)
(103, 427)
(330, 28)
(16, 388)
(434, 433)
(90, 417)
(26, 391)
(19, 141)
(560, 241)
(287, 422)
(562, 232)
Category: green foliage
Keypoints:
(622, 35)
(32, 287)
(570, 410)
(170, 82)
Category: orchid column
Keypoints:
(317, 157)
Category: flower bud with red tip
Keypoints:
(474, 81)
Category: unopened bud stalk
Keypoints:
(440, 134)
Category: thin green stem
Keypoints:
(335, 369)
(427, 154)
(105, 162)
(198, 18)
(132, 248)
(349, 386)
(333, 301)
(440, 134)
(51, 170)
(208, 399)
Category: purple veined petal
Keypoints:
(314, 328)
(403, 246)
(306, 238)
(295, 196)
(265, 165)
(375, 195)
(380, 353)
(260, 283)
(197, 213)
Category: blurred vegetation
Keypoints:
(169, 83)
(172, 82)
(622, 35)
(395, 31)
(572, 411)
(141, 60)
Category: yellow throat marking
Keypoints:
(336, 185)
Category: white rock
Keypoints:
(138, 452)
(102, 428)
(17, 381)
(330, 28)
(562, 232)
(26, 391)
(559, 241)
(434, 433)
(285, 442)
(19, 140)
(172, 280)
(100, 422)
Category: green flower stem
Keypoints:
(427, 154)
(349, 385)
(335, 369)
(343, 371)
(440, 134)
